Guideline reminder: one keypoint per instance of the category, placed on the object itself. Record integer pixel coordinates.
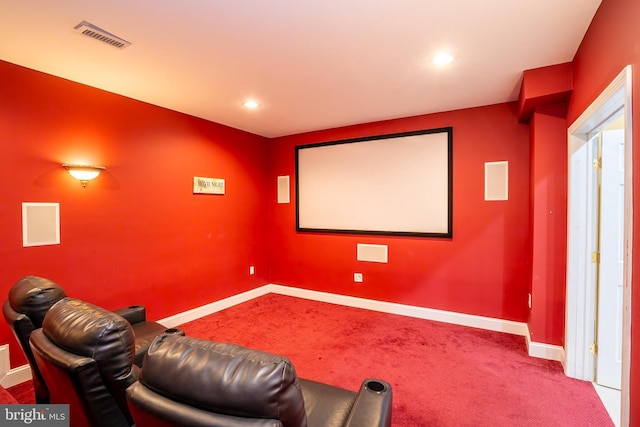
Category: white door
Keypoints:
(611, 269)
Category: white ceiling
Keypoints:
(312, 64)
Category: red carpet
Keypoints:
(23, 393)
(441, 374)
(6, 397)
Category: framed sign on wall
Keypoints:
(203, 185)
(394, 184)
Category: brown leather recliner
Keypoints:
(85, 355)
(190, 382)
(31, 297)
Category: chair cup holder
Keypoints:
(375, 386)
(174, 331)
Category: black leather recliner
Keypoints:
(85, 355)
(185, 381)
(29, 300)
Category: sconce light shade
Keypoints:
(83, 173)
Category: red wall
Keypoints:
(483, 270)
(612, 42)
(136, 234)
(548, 223)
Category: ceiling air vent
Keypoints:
(87, 29)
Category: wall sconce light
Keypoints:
(83, 173)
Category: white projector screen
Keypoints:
(397, 184)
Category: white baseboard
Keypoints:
(5, 363)
(205, 310)
(545, 351)
(16, 376)
(488, 323)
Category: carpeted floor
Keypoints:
(6, 397)
(442, 375)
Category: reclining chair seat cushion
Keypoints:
(224, 378)
(326, 405)
(145, 332)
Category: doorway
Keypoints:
(610, 254)
(585, 311)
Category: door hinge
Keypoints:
(597, 163)
(595, 257)
(593, 349)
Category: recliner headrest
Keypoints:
(33, 296)
(224, 378)
(88, 330)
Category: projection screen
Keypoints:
(395, 184)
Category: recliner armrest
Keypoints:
(372, 406)
(133, 314)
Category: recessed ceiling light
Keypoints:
(442, 58)
(251, 104)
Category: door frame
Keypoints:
(580, 314)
